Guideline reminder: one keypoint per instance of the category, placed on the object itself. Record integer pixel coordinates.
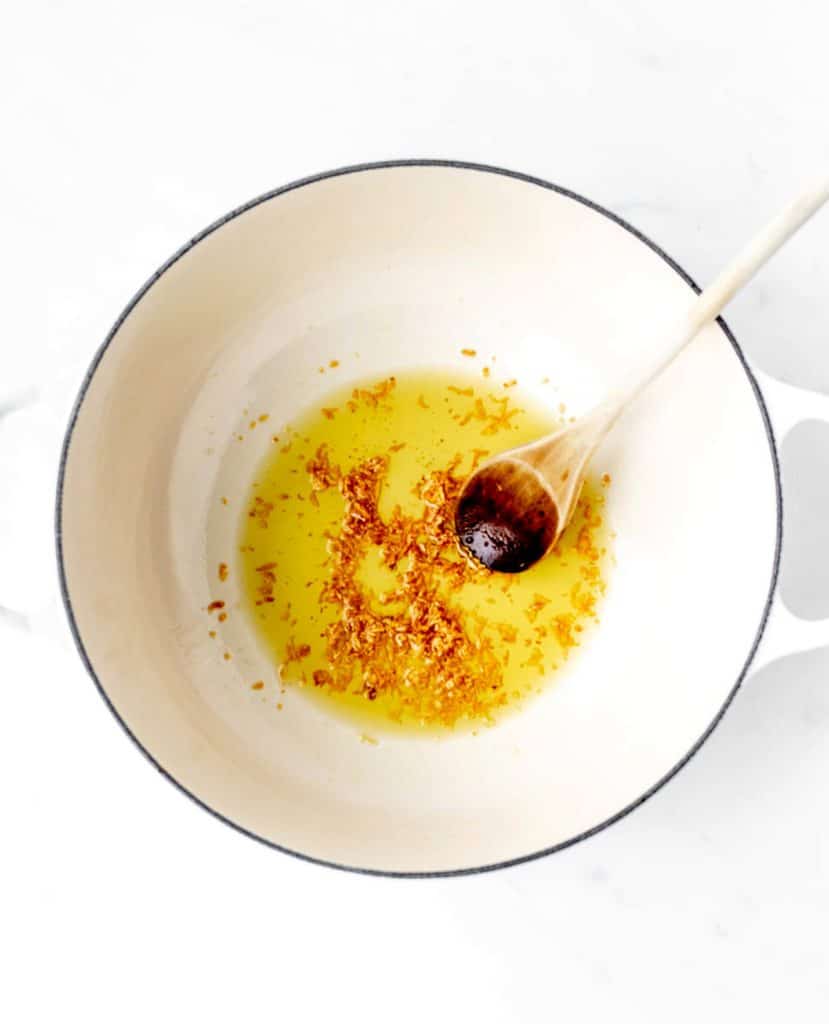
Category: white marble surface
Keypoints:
(128, 129)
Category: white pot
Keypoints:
(405, 264)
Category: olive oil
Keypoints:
(421, 422)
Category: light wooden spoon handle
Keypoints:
(724, 287)
(514, 508)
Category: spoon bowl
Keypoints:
(507, 516)
(514, 508)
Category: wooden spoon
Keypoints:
(514, 508)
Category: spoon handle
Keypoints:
(740, 270)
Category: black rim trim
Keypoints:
(358, 168)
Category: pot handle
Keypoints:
(10, 404)
(785, 632)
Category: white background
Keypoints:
(126, 129)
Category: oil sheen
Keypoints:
(421, 422)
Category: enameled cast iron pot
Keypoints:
(405, 263)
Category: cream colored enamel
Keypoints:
(385, 269)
